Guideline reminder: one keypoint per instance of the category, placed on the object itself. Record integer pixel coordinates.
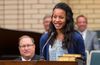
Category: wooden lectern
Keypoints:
(10, 62)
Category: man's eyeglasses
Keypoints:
(23, 46)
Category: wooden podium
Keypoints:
(10, 62)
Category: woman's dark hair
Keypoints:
(67, 29)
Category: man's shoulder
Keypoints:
(36, 57)
(91, 32)
(18, 58)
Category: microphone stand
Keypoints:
(42, 57)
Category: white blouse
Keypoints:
(56, 50)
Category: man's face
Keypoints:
(81, 24)
(46, 23)
(26, 47)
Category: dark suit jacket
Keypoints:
(36, 57)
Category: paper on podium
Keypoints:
(68, 57)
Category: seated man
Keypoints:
(46, 22)
(27, 49)
(89, 37)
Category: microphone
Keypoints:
(42, 57)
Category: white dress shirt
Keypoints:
(84, 34)
(25, 59)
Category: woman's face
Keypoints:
(59, 18)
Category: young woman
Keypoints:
(64, 40)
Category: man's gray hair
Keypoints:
(26, 36)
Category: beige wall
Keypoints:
(28, 14)
(89, 8)
(24, 14)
